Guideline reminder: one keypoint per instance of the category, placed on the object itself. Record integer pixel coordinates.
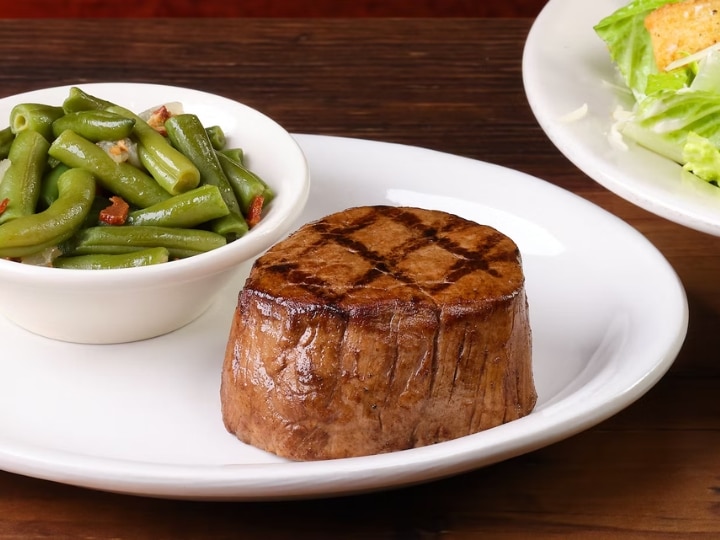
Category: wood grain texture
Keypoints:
(652, 471)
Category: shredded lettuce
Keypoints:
(676, 112)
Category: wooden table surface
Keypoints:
(455, 86)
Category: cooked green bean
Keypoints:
(245, 183)
(173, 176)
(22, 180)
(36, 117)
(124, 239)
(6, 138)
(79, 100)
(236, 154)
(49, 187)
(95, 125)
(170, 168)
(35, 232)
(216, 136)
(186, 210)
(188, 135)
(134, 186)
(143, 257)
(187, 193)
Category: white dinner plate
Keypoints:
(567, 67)
(608, 315)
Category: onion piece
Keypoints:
(4, 166)
(42, 258)
(173, 107)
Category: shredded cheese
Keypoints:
(577, 114)
(615, 136)
(699, 55)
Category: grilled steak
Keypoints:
(378, 329)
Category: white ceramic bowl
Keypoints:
(122, 305)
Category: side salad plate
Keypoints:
(583, 84)
(144, 418)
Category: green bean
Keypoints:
(35, 232)
(21, 183)
(173, 176)
(143, 257)
(187, 134)
(6, 138)
(126, 238)
(236, 154)
(245, 183)
(35, 117)
(49, 188)
(95, 125)
(216, 136)
(130, 183)
(171, 169)
(78, 100)
(186, 210)
(56, 181)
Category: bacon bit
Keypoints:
(119, 148)
(116, 213)
(157, 119)
(4, 204)
(255, 211)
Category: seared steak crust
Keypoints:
(378, 329)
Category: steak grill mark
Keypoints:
(419, 234)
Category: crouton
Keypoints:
(683, 28)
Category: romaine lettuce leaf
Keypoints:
(629, 43)
(708, 73)
(663, 121)
(668, 80)
(702, 158)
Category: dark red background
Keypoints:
(269, 8)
